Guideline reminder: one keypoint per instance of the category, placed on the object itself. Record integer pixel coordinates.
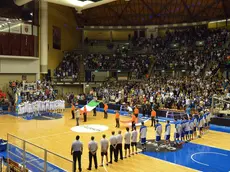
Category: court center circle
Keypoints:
(91, 128)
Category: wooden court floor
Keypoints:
(56, 136)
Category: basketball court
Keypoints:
(209, 153)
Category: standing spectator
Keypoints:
(127, 141)
(113, 148)
(76, 151)
(117, 117)
(104, 149)
(119, 145)
(92, 153)
(134, 140)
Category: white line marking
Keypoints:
(50, 135)
(104, 166)
(169, 162)
(205, 153)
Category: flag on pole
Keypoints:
(91, 105)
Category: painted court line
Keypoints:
(104, 166)
(171, 163)
(216, 153)
(50, 135)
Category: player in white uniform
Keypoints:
(208, 120)
(200, 125)
(167, 133)
(34, 107)
(43, 106)
(134, 140)
(191, 125)
(30, 108)
(47, 102)
(63, 106)
(127, 139)
(158, 127)
(26, 107)
(143, 133)
(195, 122)
(39, 105)
(20, 109)
(187, 129)
(176, 132)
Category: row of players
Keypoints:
(114, 145)
(185, 129)
(41, 106)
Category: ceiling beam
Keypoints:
(149, 8)
(117, 15)
(188, 10)
(123, 10)
(206, 8)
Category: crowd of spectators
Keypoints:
(199, 51)
(33, 91)
(138, 64)
(197, 87)
(69, 66)
(194, 47)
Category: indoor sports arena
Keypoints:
(114, 85)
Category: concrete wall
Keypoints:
(62, 17)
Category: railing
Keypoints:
(30, 157)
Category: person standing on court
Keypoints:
(104, 149)
(153, 117)
(105, 111)
(113, 148)
(85, 114)
(136, 111)
(117, 118)
(77, 115)
(73, 110)
(92, 153)
(133, 121)
(127, 139)
(95, 109)
(143, 133)
(119, 145)
(76, 151)
(134, 140)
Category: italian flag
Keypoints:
(91, 105)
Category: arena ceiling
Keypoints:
(153, 12)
